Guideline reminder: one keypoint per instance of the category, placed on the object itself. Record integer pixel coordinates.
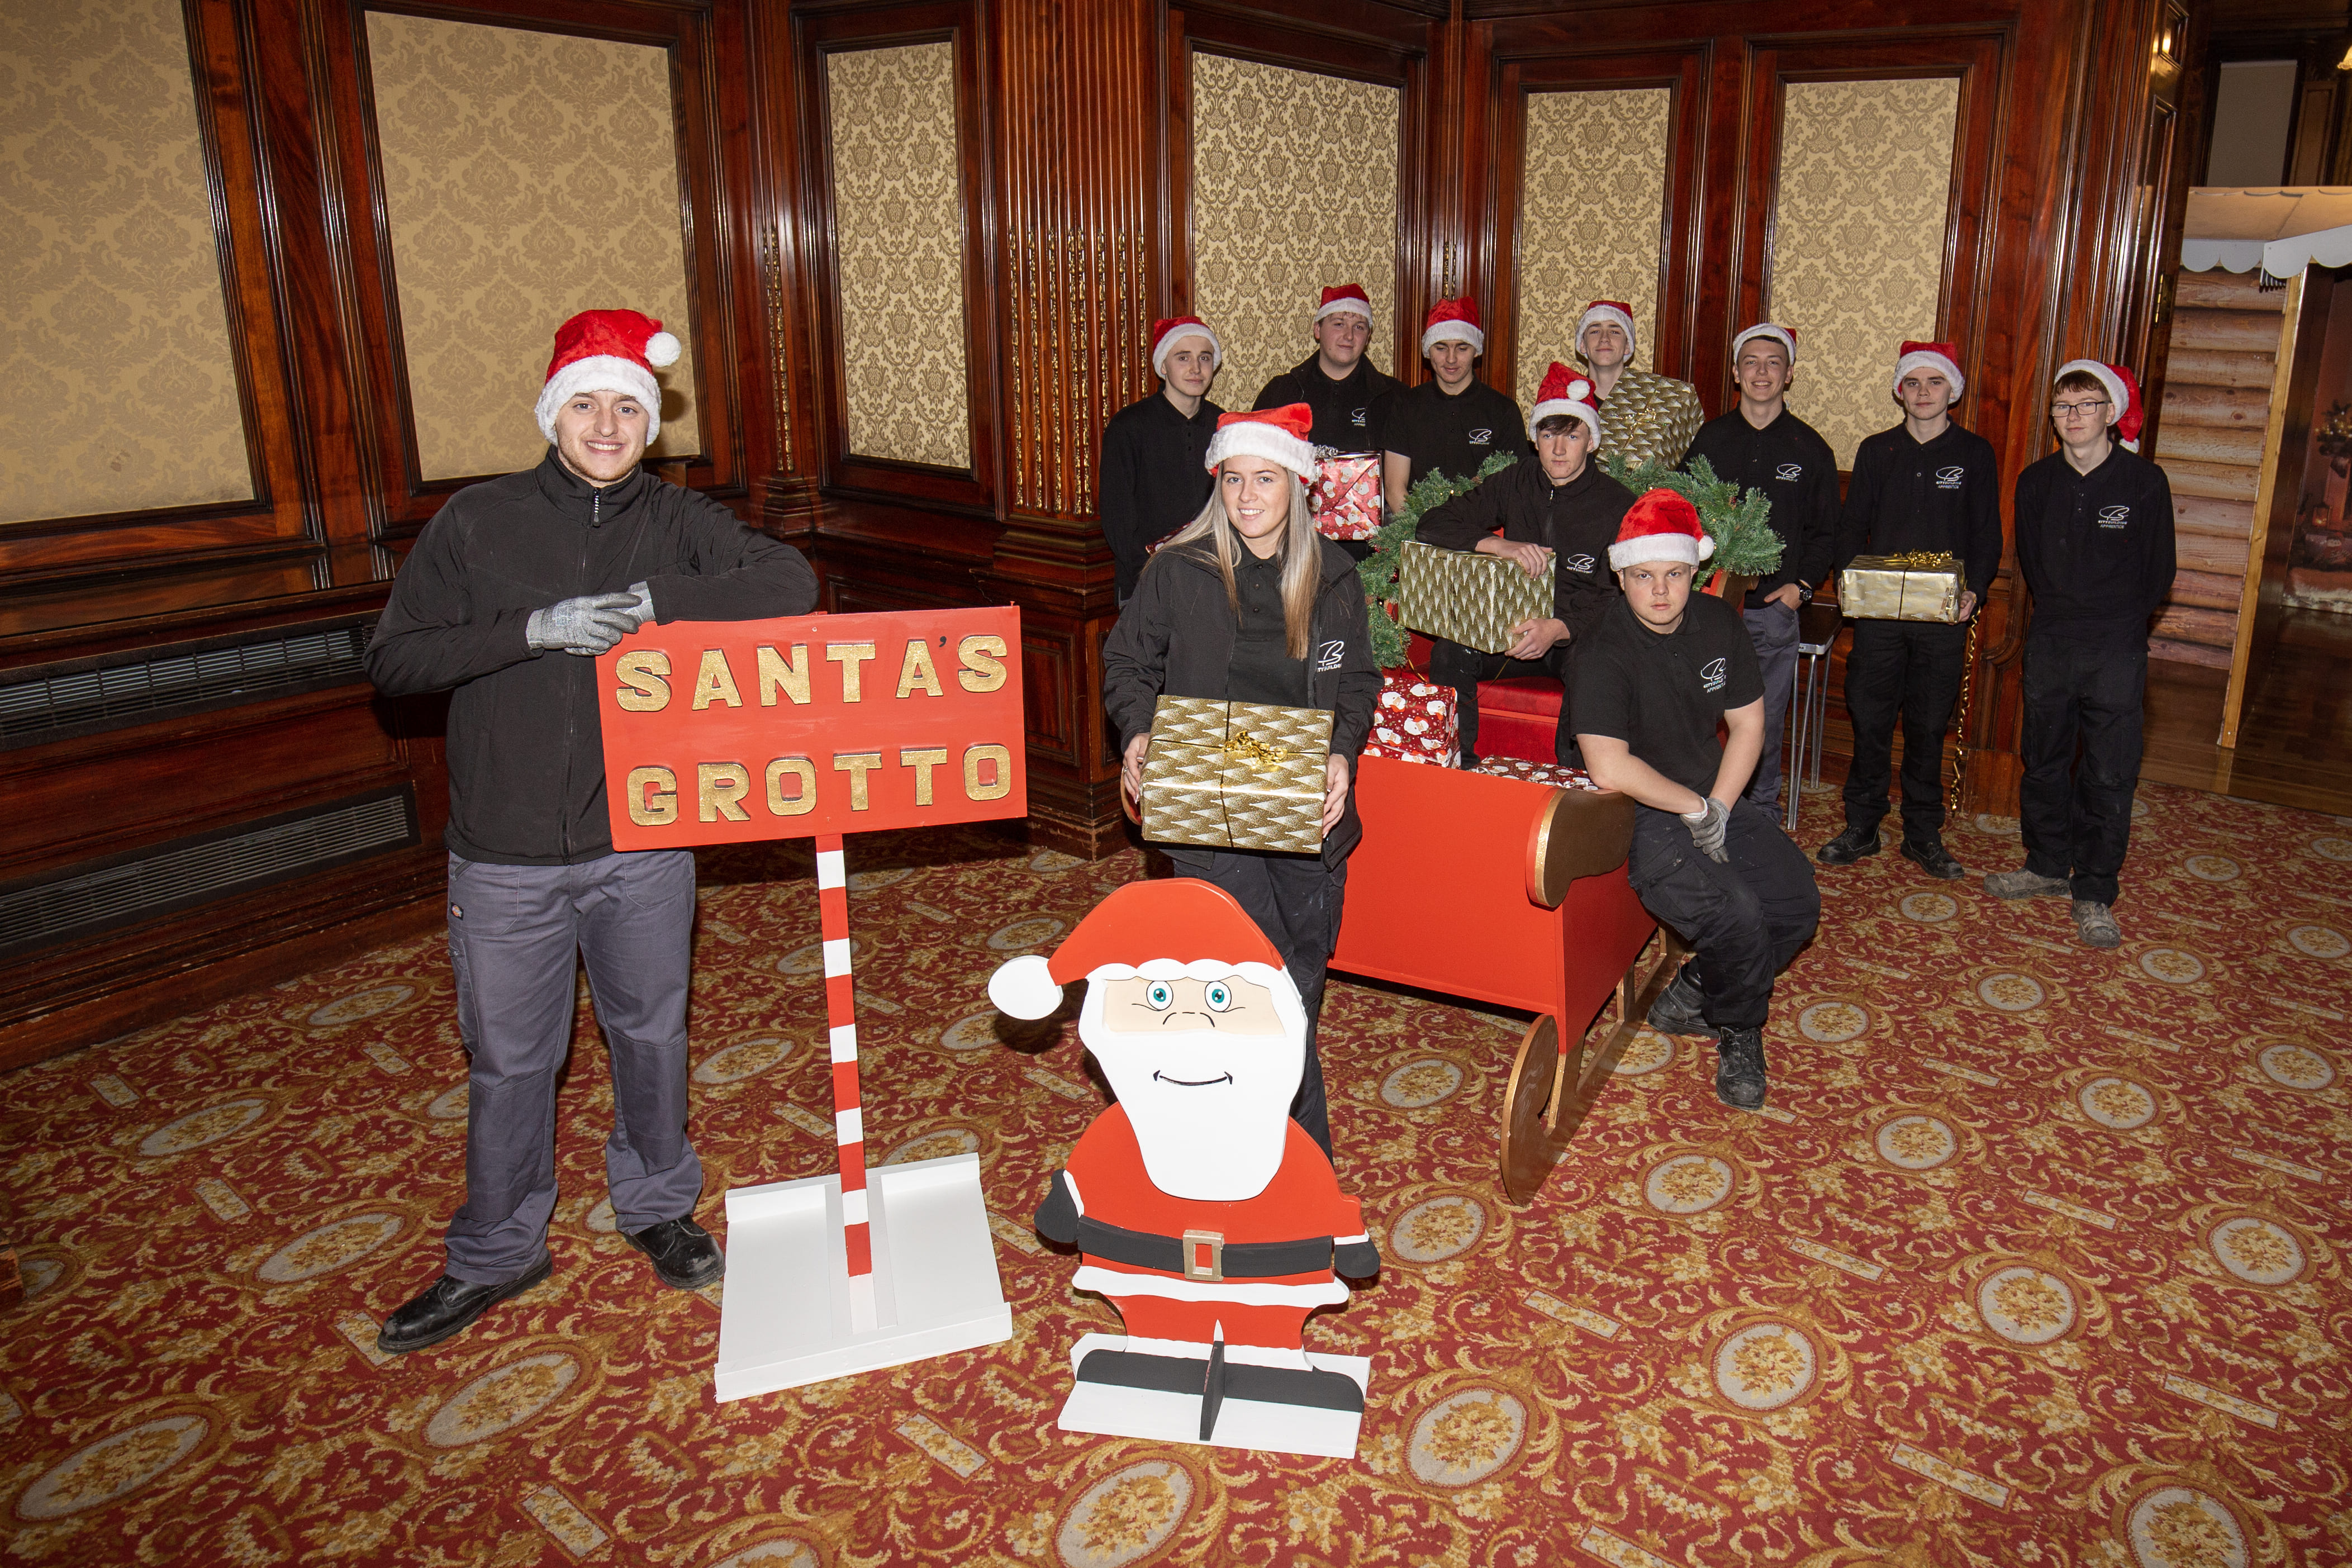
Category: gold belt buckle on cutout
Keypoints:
(1213, 1268)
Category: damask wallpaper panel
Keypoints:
(1592, 210)
(1294, 188)
(527, 176)
(898, 242)
(1858, 241)
(117, 386)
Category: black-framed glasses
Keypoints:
(2061, 410)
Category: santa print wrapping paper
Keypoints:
(1346, 494)
(1416, 719)
(1915, 587)
(1466, 598)
(1236, 775)
(1551, 773)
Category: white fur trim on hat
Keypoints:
(1177, 334)
(1660, 547)
(603, 373)
(1572, 408)
(1927, 359)
(1454, 333)
(1766, 329)
(2118, 395)
(1608, 313)
(1023, 987)
(1256, 438)
(1351, 303)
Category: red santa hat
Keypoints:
(1345, 297)
(2123, 409)
(1565, 392)
(1456, 321)
(1785, 336)
(1279, 434)
(1167, 334)
(1616, 311)
(1943, 357)
(1662, 525)
(608, 351)
(1181, 919)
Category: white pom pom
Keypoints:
(1023, 987)
(1578, 390)
(662, 349)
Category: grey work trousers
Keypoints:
(1773, 630)
(513, 934)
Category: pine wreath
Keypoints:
(1745, 545)
(1390, 642)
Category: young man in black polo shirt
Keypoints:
(2095, 541)
(1153, 479)
(1760, 445)
(1925, 485)
(1558, 506)
(1453, 424)
(1337, 384)
(1650, 683)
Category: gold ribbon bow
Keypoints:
(1923, 559)
(1251, 749)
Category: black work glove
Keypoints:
(1707, 826)
(586, 625)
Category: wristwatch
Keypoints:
(1804, 594)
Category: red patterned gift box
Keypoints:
(1550, 773)
(1414, 721)
(1346, 496)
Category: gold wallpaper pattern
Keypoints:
(897, 216)
(118, 387)
(527, 176)
(1858, 241)
(1592, 209)
(1294, 188)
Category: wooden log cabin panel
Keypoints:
(2211, 552)
(2216, 407)
(2210, 628)
(2209, 443)
(2203, 514)
(2177, 652)
(2215, 482)
(2219, 367)
(2223, 290)
(2215, 590)
(2227, 332)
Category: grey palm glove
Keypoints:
(1707, 826)
(644, 608)
(586, 625)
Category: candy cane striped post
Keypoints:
(848, 1118)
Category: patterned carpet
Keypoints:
(2031, 1261)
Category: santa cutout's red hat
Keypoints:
(1277, 435)
(1944, 357)
(1616, 311)
(2123, 409)
(1167, 334)
(1785, 336)
(1456, 321)
(1662, 525)
(1345, 297)
(1565, 392)
(1182, 919)
(608, 351)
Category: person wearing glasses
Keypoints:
(2095, 543)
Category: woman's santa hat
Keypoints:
(1943, 357)
(608, 351)
(1616, 311)
(1277, 435)
(1565, 392)
(1345, 297)
(1167, 334)
(1785, 336)
(1172, 924)
(1662, 525)
(2123, 409)
(1454, 321)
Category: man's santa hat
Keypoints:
(1662, 525)
(1167, 334)
(1159, 929)
(1943, 357)
(1454, 321)
(608, 351)
(1785, 336)
(2123, 409)
(1616, 311)
(1279, 434)
(1565, 392)
(1345, 297)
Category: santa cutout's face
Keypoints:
(1205, 1061)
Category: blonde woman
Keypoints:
(1248, 603)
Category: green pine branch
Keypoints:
(1745, 545)
(1391, 641)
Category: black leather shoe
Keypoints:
(684, 1255)
(1739, 1070)
(447, 1306)
(1677, 1009)
(1935, 859)
(1848, 847)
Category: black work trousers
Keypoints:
(1297, 901)
(1452, 664)
(1910, 670)
(2077, 814)
(1744, 918)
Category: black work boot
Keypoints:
(683, 1253)
(1935, 859)
(447, 1306)
(1850, 846)
(1677, 1010)
(1739, 1070)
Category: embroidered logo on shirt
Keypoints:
(1790, 472)
(1481, 437)
(1578, 563)
(1711, 678)
(1328, 656)
(1356, 417)
(2116, 516)
(1950, 478)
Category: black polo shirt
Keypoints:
(1942, 495)
(1790, 462)
(2096, 549)
(1663, 693)
(1451, 435)
(1260, 669)
(1154, 478)
(1346, 411)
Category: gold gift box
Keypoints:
(1236, 775)
(1915, 587)
(1466, 598)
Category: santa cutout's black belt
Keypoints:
(1203, 1254)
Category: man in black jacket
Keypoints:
(1337, 384)
(1929, 486)
(2095, 543)
(1554, 505)
(1452, 423)
(1760, 445)
(512, 590)
(1153, 481)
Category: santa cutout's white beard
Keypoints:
(1210, 1111)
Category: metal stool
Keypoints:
(1809, 700)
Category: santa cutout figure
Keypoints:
(1201, 1209)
